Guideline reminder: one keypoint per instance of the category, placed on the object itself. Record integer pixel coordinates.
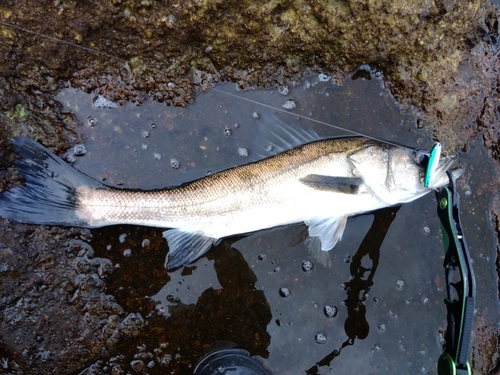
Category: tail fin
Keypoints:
(49, 193)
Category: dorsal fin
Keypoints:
(276, 135)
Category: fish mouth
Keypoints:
(440, 176)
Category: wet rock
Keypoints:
(55, 309)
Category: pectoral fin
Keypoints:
(328, 230)
(185, 247)
(347, 185)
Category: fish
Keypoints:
(320, 182)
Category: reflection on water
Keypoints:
(234, 311)
(384, 291)
(386, 319)
(358, 287)
(182, 290)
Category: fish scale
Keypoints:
(251, 187)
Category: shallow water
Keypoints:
(388, 288)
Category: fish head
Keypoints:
(396, 174)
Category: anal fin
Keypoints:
(185, 247)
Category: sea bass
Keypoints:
(320, 183)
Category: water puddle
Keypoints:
(378, 307)
(170, 145)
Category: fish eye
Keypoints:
(421, 157)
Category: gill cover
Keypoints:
(390, 172)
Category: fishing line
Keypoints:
(290, 113)
(88, 49)
(92, 50)
(314, 120)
